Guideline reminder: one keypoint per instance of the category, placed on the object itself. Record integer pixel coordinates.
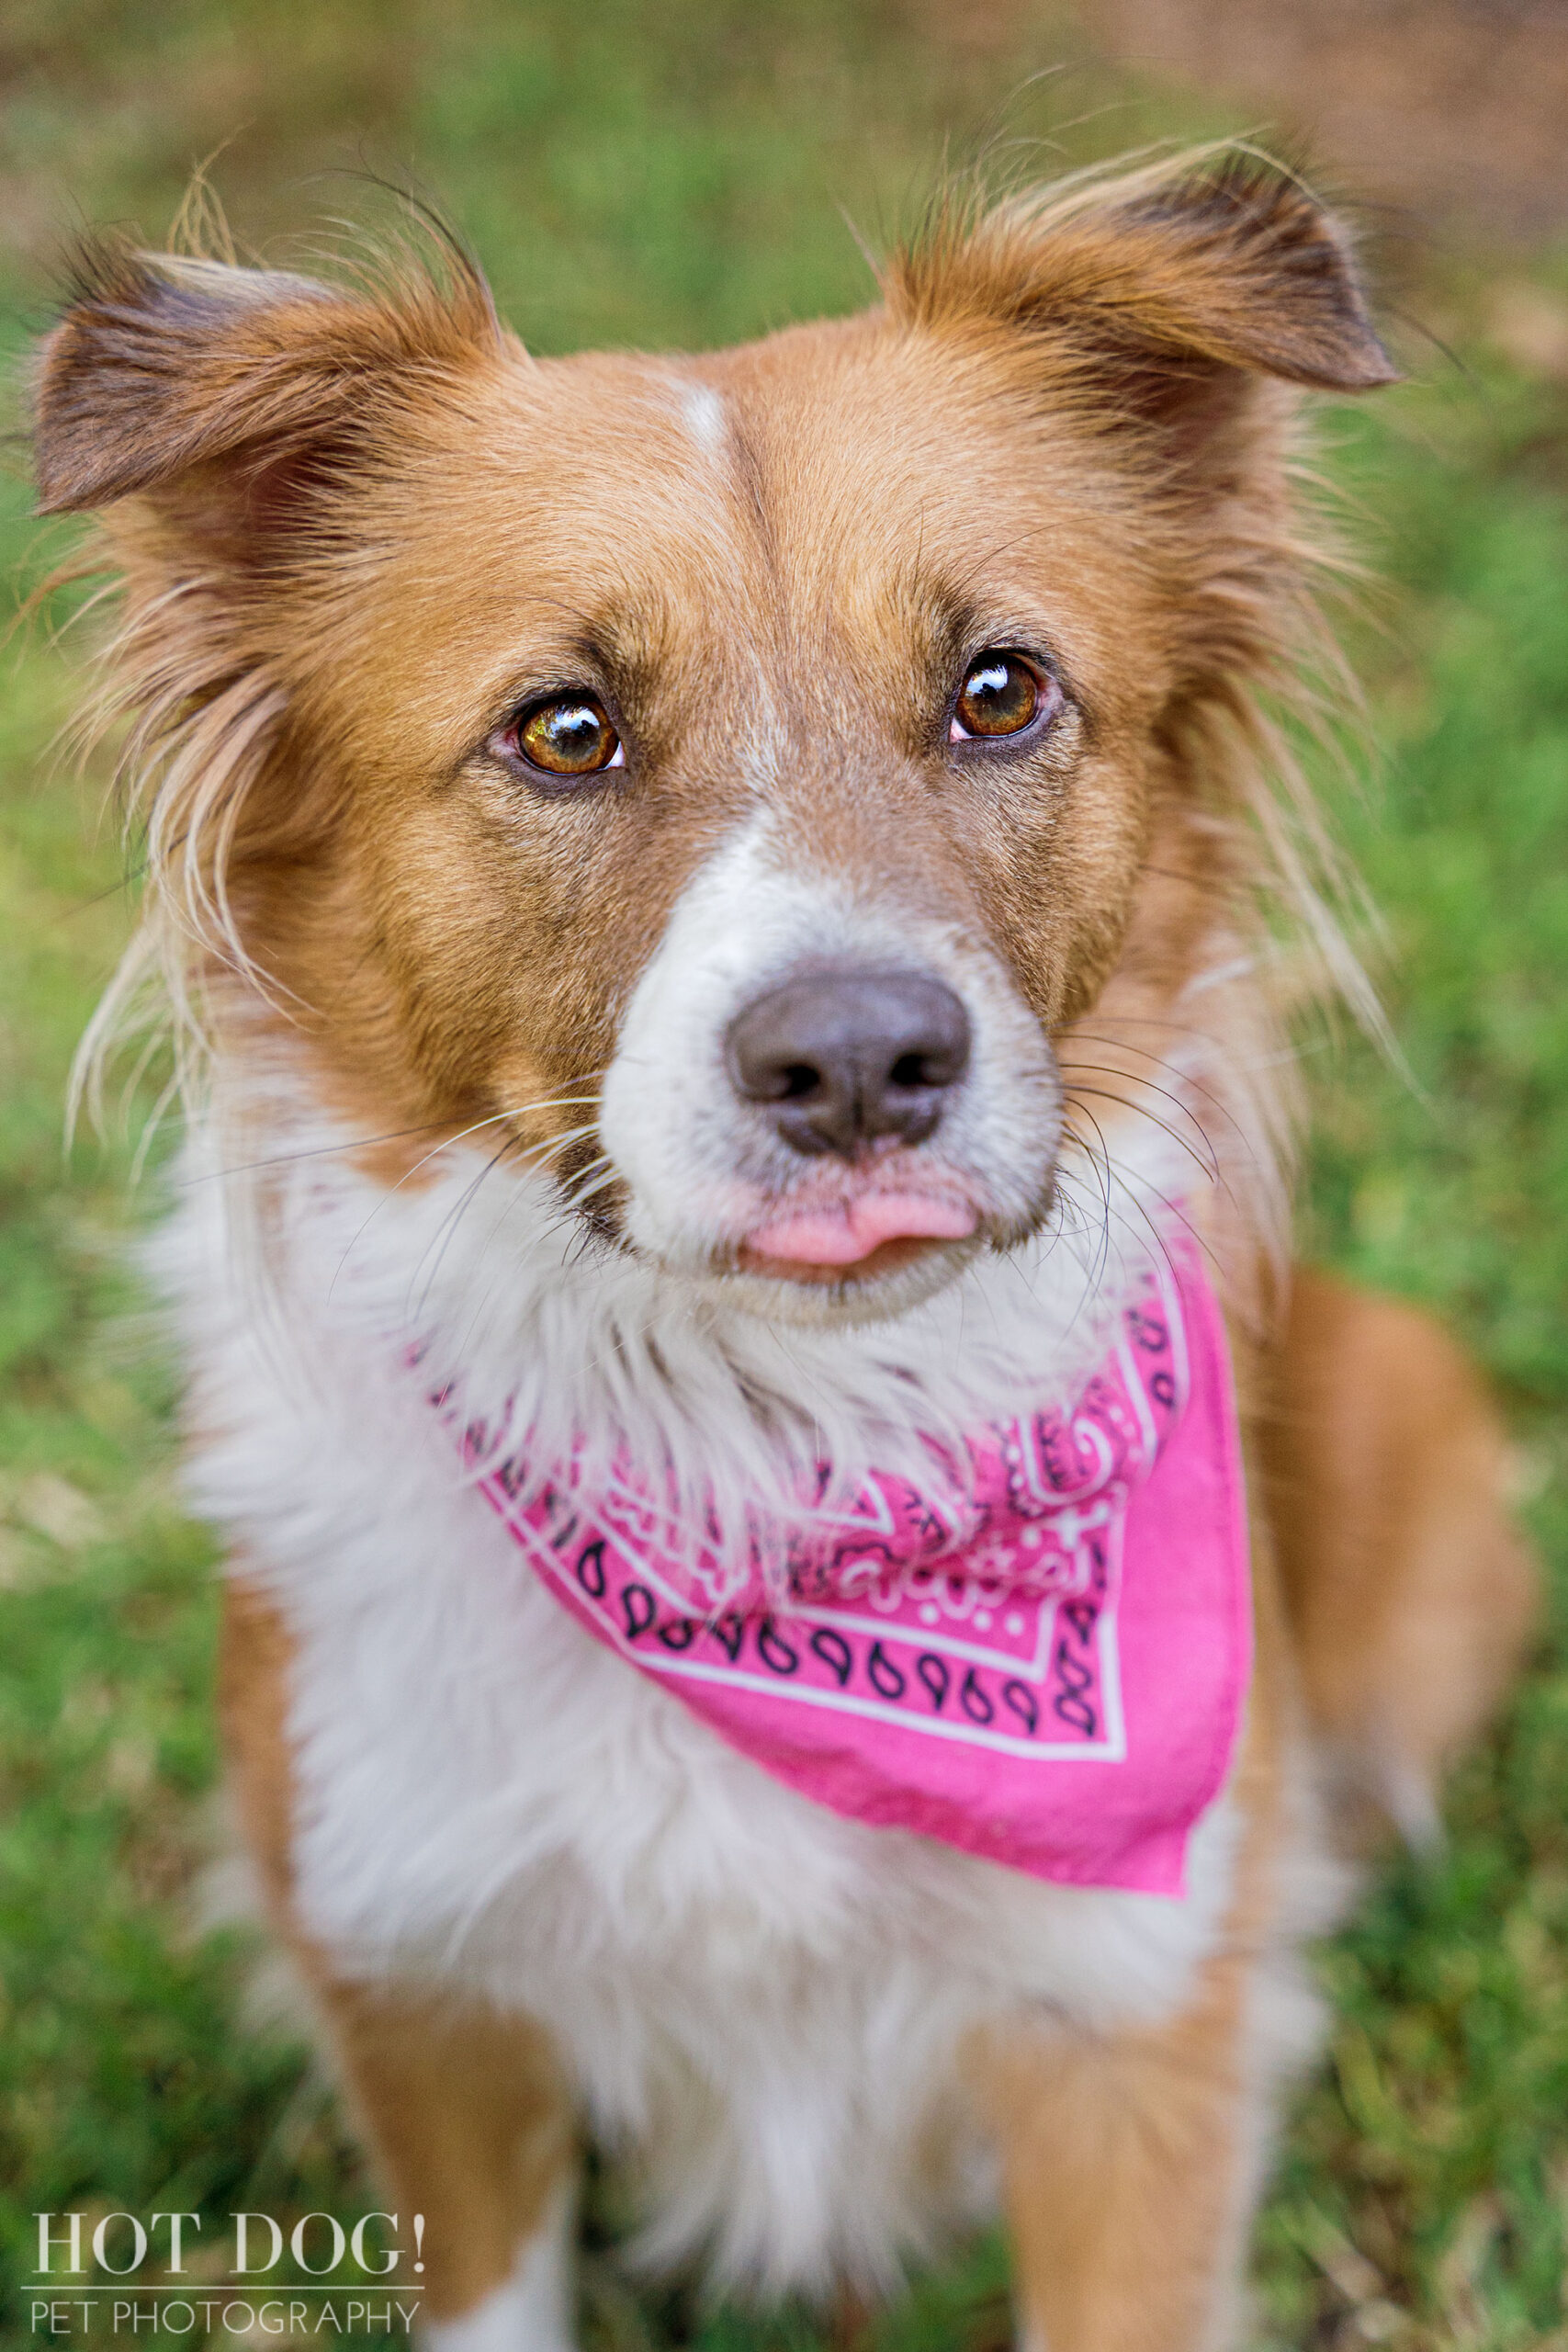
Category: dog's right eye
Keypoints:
(1002, 695)
(563, 737)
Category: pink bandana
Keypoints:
(1046, 1668)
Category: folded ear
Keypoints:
(163, 369)
(1162, 280)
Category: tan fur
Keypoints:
(1131, 2159)
(1410, 1593)
(1125, 2176)
(1401, 1604)
(1070, 416)
(468, 2118)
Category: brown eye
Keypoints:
(570, 735)
(1001, 694)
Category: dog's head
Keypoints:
(722, 780)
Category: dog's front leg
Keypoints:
(1128, 2164)
(464, 2106)
(466, 2113)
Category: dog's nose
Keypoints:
(839, 1058)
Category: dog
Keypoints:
(806, 1589)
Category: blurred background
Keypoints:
(684, 174)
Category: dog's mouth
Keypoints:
(857, 1237)
(888, 1258)
(847, 1229)
(868, 1237)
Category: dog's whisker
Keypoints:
(1210, 1167)
(1133, 1181)
(508, 1208)
(441, 1240)
(533, 1157)
(1184, 1083)
(1073, 1072)
(448, 1143)
(390, 1135)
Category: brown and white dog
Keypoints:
(720, 898)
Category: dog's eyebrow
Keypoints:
(957, 623)
(963, 624)
(625, 651)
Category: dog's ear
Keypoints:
(1159, 285)
(224, 392)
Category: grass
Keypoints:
(685, 190)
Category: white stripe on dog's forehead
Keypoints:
(703, 411)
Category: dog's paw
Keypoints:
(530, 2311)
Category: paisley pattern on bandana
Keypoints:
(1042, 1661)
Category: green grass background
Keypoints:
(676, 175)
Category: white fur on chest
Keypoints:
(775, 1999)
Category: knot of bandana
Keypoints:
(1043, 1662)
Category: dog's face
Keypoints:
(723, 778)
(770, 761)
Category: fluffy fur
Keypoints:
(454, 1042)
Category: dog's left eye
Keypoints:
(565, 736)
(1001, 694)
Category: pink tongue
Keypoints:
(839, 1237)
